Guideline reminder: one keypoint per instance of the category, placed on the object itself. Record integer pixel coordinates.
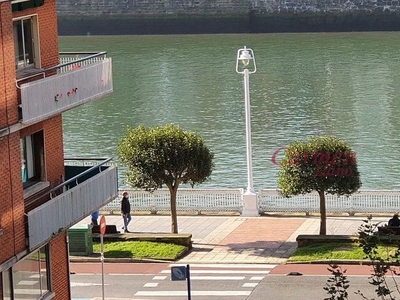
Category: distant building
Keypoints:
(38, 201)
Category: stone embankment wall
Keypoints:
(224, 16)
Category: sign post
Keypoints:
(102, 232)
(182, 273)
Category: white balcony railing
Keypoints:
(76, 82)
(269, 201)
(76, 201)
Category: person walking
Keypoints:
(126, 211)
(94, 218)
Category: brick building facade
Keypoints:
(34, 246)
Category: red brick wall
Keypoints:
(8, 92)
(59, 269)
(48, 33)
(12, 202)
(54, 151)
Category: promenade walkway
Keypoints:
(235, 239)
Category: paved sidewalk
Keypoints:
(235, 239)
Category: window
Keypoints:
(32, 159)
(28, 278)
(26, 47)
(18, 5)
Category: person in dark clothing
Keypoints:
(394, 221)
(125, 211)
(95, 216)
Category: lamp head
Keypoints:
(245, 57)
(247, 61)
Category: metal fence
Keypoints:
(187, 200)
(231, 200)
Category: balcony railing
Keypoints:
(269, 201)
(78, 79)
(90, 186)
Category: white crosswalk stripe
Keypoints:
(248, 275)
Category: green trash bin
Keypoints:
(80, 239)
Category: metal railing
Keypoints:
(76, 81)
(188, 200)
(70, 61)
(71, 201)
(231, 200)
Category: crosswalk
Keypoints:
(245, 276)
(207, 281)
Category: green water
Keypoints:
(343, 84)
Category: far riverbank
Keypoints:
(243, 22)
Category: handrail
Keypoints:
(105, 160)
(61, 185)
(76, 61)
(44, 71)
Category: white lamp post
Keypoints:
(246, 64)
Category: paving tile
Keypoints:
(233, 239)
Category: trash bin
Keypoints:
(80, 239)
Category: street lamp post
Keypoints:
(246, 65)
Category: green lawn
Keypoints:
(140, 249)
(335, 251)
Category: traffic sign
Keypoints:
(178, 273)
(103, 225)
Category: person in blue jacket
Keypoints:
(95, 216)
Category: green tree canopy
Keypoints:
(166, 155)
(322, 164)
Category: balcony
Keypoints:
(78, 79)
(90, 184)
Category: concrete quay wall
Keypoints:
(224, 16)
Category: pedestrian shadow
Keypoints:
(117, 254)
(276, 249)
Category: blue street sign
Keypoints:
(178, 273)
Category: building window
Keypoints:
(18, 5)
(28, 278)
(26, 44)
(32, 158)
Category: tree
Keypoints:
(166, 155)
(322, 164)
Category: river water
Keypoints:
(343, 84)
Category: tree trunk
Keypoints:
(174, 220)
(322, 210)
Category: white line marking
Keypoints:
(193, 293)
(250, 284)
(25, 291)
(27, 282)
(151, 284)
(233, 266)
(85, 284)
(159, 277)
(116, 274)
(257, 278)
(217, 277)
(221, 272)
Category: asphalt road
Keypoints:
(209, 282)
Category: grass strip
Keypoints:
(336, 251)
(140, 249)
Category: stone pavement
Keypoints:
(235, 239)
